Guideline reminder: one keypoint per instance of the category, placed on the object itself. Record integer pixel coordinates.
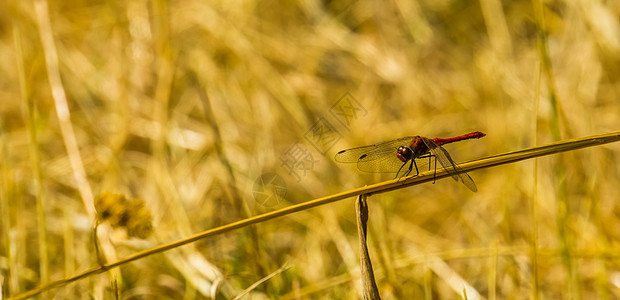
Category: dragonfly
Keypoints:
(392, 156)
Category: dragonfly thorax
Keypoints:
(418, 146)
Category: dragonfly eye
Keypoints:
(404, 153)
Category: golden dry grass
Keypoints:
(184, 105)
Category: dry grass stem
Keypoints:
(157, 119)
(377, 188)
(369, 285)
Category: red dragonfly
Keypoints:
(392, 156)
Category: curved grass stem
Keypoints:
(382, 187)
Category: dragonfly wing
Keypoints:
(468, 182)
(384, 161)
(379, 158)
(353, 155)
(447, 163)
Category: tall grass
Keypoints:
(185, 104)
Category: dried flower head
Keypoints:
(122, 212)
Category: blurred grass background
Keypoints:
(185, 104)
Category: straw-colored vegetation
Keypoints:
(160, 117)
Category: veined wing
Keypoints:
(377, 158)
(447, 163)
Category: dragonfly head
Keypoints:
(404, 153)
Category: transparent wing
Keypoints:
(377, 158)
(447, 163)
(380, 162)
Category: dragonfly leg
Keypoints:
(401, 167)
(430, 156)
(411, 168)
(429, 165)
(411, 165)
